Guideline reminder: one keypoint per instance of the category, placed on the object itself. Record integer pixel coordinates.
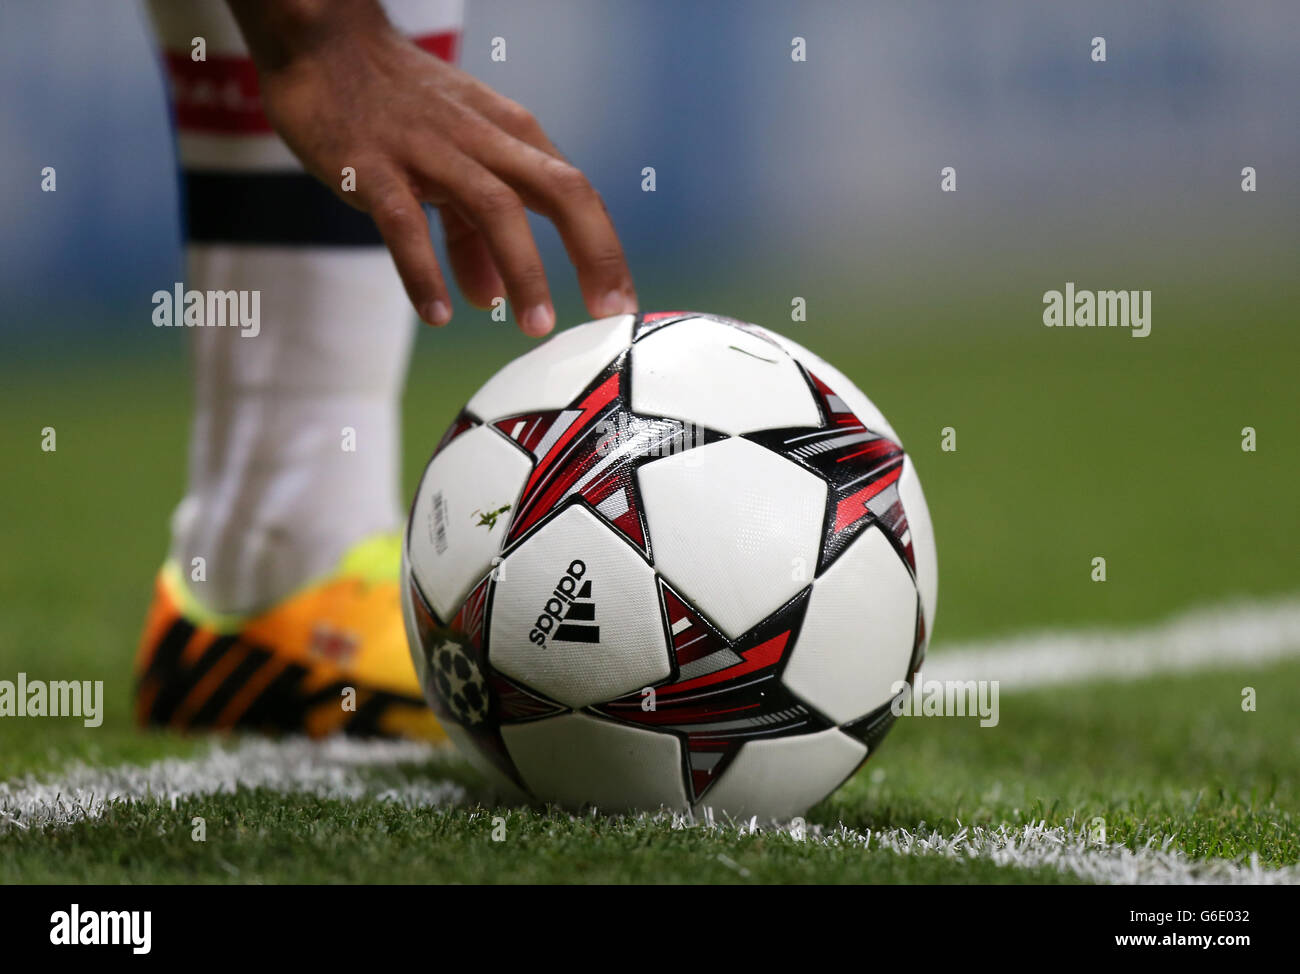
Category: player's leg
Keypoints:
(280, 591)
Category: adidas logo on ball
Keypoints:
(569, 611)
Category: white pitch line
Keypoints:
(1065, 849)
(335, 769)
(328, 769)
(1245, 634)
(1068, 850)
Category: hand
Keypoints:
(343, 88)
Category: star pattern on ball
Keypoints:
(722, 692)
(589, 452)
(860, 466)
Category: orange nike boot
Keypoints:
(331, 658)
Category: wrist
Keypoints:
(282, 32)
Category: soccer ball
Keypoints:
(668, 560)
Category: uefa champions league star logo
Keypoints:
(460, 684)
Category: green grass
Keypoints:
(259, 837)
(1070, 445)
(1169, 757)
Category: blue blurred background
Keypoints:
(775, 178)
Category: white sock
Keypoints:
(295, 443)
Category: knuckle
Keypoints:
(569, 181)
(528, 279)
(607, 261)
(518, 117)
(497, 200)
(393, 210)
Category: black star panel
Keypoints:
(861, 469)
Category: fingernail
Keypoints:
(538, 320)
(436, 313)
(615, 303)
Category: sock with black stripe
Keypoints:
(294, 448)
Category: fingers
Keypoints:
(497, 213)
(471, 261)
(401, 222)
(558, 190)
(497, 163)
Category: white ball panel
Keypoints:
(923, 548)
(553, 374)
(408, 619)
(785, 776)
(449, 550)
(577, 760)
(857, 636)
(730, 525)
(632, 651)
(705, 372)
(843, 386)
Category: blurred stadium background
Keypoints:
(775, 178)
